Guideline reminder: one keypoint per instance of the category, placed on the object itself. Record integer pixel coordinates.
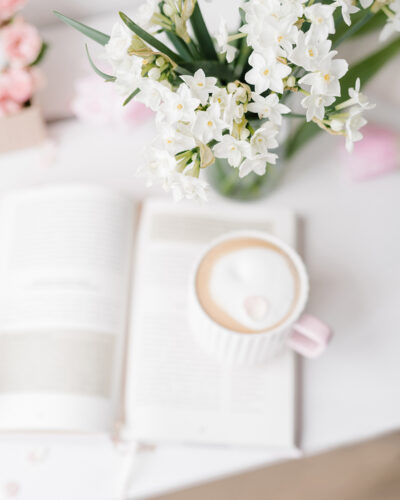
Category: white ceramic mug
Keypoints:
(304, 333)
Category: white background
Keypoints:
(351, 244)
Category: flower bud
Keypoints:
(291, 81)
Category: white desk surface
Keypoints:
(351, 243)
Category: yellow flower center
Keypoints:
(210, 123)
(327, 77)
(280, 38)
(179, 106)
(200, 84)
(320, 20)
(266, 71)
(311, 52)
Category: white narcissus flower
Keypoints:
(268, 107)
(152, 93)
(348, 7)
(264, 139)
(325, 81)
(258, 164)
(129, 76)
(180, 106)
(315, 105)
(359, 98)
(393, 23)
(177, 138)
(222, 40)
(281, 34)
(226, 103)
(231, 149)
(200, 85)
(321, 17)
(267, 72)
(310, 51)
(159, 166)
(293, 7)
(191, 188)
(352, 126)
(117, 47)
(145, 12)
(208, 124)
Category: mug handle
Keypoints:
(309, 336)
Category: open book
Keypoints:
(93, 327)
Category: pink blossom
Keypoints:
(98, 102)
(20, 84)
(377, 154)
(9, 7)
(21, 43)
(8, 107)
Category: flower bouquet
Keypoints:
(220, 100)
(21, 50)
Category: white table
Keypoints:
(351, 243)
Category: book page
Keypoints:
(176, 392)
(64, 278)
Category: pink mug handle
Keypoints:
(309, 336)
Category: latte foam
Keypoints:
(247, 284)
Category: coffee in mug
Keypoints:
(247, 292)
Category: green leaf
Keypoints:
(107, 78)
(304, 132)
(180, 45)
(365, 70)
(211, 68)
(353, 29)
(41, 54)
(131, 96)
(151, 40)
(204, 39)
(368, 67)
(93, 34)
(376, 22)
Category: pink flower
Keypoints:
(19, 84)
(8, 107)
(377, 154)
(98, 102)
(21, 43)
(9, 7)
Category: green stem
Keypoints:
(387, 11)
(244, 54)
(236, 37)
(353, 29)
(294, 115)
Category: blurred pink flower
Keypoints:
(376, 154)
(9, 7)
(98, 102)
(19, 84)
(21, 43)
(8, 107)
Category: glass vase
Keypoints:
(226, 181)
